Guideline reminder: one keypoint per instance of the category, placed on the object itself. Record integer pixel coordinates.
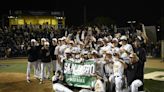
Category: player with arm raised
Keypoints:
(32, 58)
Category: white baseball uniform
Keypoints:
(99, 86)
(57, 54)
(118, 69)
(85, 90)
(29, 65)
(57, 87)
(127, 47)
(135, 84)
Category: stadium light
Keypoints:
(11, 17)
(129, 22)
(133, 21)
(158, 28)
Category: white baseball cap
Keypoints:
(67, 50)
(63, 38)
(94, 52)
(103, 50)
(33, 40)
(54, 39)
(43, 39)
(124, 55)
(110, 37)
(100, 40)
(123, 37)
(75, 50)
(60, 39)
(105, 38)
(114, 40)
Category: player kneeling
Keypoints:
(118, 71)
(57, 85)
(133, 74)
(99, 85)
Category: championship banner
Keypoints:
(79, 74)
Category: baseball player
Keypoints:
(38, 63)
(108, 65)
(58, 87)
(99, 44)
(85, 90)
(32, 58)
(84, 55)
(135, 85)
(67, 54)
(45, 61)
(57, 81)
(133, 77)
(108, 70)
(53, 57)
(126, 49)
(76, 55)
(99, 85)
(94, 56)
(107, 41)
(115, 47)
(61, 52)
(58, 84)
(118, 72)
(70, 44)
(141, 53)
(56, 52)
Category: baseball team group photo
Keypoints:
(87, 51)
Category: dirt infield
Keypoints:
(12, 81)
(15, 82)
(154, 63)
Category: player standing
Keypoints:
(45, 61)
(32, 58)
(53, 56)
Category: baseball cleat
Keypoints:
(41, 82)
(28, 81)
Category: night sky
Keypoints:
(147, 12)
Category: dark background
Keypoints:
(149, 12)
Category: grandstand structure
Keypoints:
(19, 17)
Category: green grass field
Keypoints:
(19, 66)
(16, 65)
